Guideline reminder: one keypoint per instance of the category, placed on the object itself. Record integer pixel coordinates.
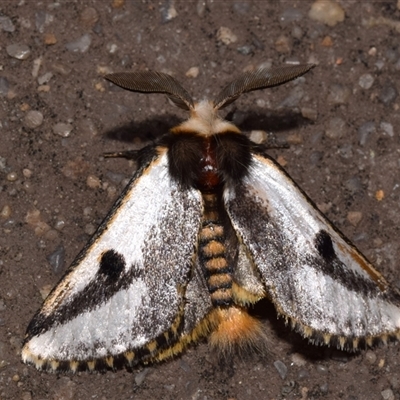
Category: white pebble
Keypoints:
(33, 119)
(80, 45)
(326, 11)
(387, 128)
(18, 51)
(45, 78)
(366, 81)
(226, 36)
(62, 129)
(12, 176)
(258, 136)
(192, 72)
(93, 182)
(387, 394)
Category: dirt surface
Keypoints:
(341, 121)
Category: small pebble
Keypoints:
(93, 182)
(258, 136)
(57, 259)
(34, 220)
(89, 17)
(45, 290)
(298, 360)
(327, 41)
(42, 18)
(6, 24)
(33, 119)
(291, 15)
(294, 139)
(309, 113)
(354, 185)
(140, 376)
(303, 374)
(45, 78)
(365, 131)
(283, 45)
(288, 387)
(200, 8)
(192, 72)
(4, 86)
(5, 212)
(387, 394)
(281, 368)
(75, 168)
(18, 51)
(324, 387)
(12, 176)
(322, 369)
(117, 3)
(226, 36)
(245, 50)
(388, 94)
(366, 81)
(27, 172)
(37, 63)
(387, 128)
(370, 357)
(62, 129)
(88, 127)
(80, 45)
(379, 195)
(24, 107)
(51, 235)
(338, 94)
(50, 39)
(336, 128)
(168, 12)
(90, 229)
(327, 12)
(297, 32)
(354, 217)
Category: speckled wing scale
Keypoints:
(207, 227)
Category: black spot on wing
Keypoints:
(112, 264)
(324, 245)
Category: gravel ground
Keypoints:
(58, 116)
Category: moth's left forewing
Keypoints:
(124, 295)
(316, 279)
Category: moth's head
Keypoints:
(204, 117)
(205, 121)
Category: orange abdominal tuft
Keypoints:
(236, 328)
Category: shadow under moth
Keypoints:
(207, 227)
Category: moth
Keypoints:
(208, 226)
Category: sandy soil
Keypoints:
(341, 120)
